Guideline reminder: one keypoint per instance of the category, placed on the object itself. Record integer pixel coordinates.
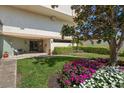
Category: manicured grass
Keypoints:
(35, 72)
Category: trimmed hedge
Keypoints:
(69, 50)
(95, 50)
(63, 50)
(122, 54)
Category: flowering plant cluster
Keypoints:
(107, 77)
(76, 72)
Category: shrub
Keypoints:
(78, 71)
(107, 77)
(68, 50)
(122, 54)
(95, 50)
(62, 50)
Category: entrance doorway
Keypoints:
(33, 46)
(36, 46)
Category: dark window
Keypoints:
(61, 41)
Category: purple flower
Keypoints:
(77, 71)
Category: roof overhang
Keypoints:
(30, 33)
(30, 36)
(45, 11)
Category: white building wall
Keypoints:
(62, 8)
(59, 44)
(16, 20)
(20, 44)
(23, 19)
(11, 43)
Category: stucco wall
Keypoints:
(59, 44)
(11, 43)
(19, 18)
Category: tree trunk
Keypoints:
(113, 56)
(77, 46)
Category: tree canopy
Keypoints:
(104, 23)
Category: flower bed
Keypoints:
(78, 71)
(107, 77)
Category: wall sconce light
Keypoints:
(26, 42)
(53, 18)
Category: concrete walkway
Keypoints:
(8, 73)
(8, 69)
(28, 55)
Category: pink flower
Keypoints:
(72, 79)
(78, 71)
(67, 82)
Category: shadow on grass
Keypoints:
(52, 60)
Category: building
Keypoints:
(32, 28)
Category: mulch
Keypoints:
(52, 82)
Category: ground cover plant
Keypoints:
(91, 73)
(107, 77)
(78, 71)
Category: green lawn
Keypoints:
(35, 72)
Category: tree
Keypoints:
(104, 23)
(54, 6)
(71, 31)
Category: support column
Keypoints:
(47, 45)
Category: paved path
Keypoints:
(29, 55)
(8, 73)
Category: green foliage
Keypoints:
(104, 23)
(107, 77)
(67, 30)
(69, 50)
(95, 50)
(100, 20)
(122, 54)
(63, 50)
(54, 6)
(36, 72)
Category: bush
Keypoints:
(63, 50)
(122, 54)
(68, 50)
(108, 77)
(95, 50)
(78, 71)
